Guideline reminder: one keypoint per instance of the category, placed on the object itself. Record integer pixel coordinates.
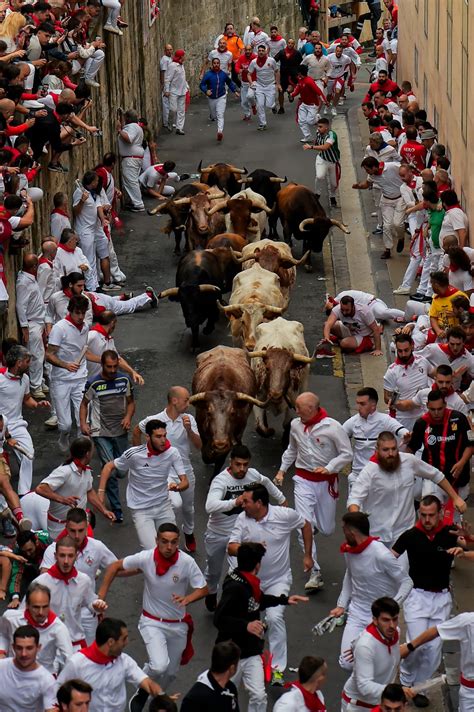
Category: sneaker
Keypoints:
(261, 127)
(333, 202)
(314, 583)
(179, 132)
(9, 531)
(420, 700)
(63, 443)
(274, 110)
(121, 22)
(92, 83)
(138, 701)
(115, 30)
(281, 110)
(306, 140)
(220, 135)
(111, 287)
(55, 167)
(25, 524)
(400, 244)
(333, 111)
(418, 297)
(373, 215)
(325, 110)
(377, 231)
(190, 543)
(372, 55)
(402, 290)
(184, 176)
(38, 394)
(254, 110)
(44, 387)
(324, 350)
(277, 678)
(118, 516)
(52, 422)
(152, 294)
(136, 209)
(211, 602)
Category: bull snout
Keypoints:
(276, 395)
(222, 445)
(202, 229)
(249, 343)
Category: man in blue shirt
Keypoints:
(213, 84)
(314, 38)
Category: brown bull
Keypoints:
(222, 246)
(224, 175)
(245, 214)
(200, 225)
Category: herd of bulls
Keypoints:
(223, 218)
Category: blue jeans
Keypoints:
(108, 449)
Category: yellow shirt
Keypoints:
(442, 309)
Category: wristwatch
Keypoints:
(411, 647)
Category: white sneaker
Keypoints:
(333, 111)
(52, 422)
(44, 387)
(63, 443)
(38, 394)
(314, 583)
(112, 287)
(402, 290)
(92, 83)
(325, 110)
(115, 30)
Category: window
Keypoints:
(425, 92)
(449, 49)
(436, 39)
(464, 69)
(415, 73)
(426, 17)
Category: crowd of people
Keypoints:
(409, 468)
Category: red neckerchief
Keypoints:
(155, 453)
(449, 293)
(56, 573)
(100, 330)
(374, 458)
(79, 548)
(67, 293)
(430, 535)
(311, 699)
(381, 163)
(408, 363)
(59, 211)
(446, 349)
(12, 376)
(373, 630)
(254, 583)
(451, 207)
(453, 268)
(443, 187)
(159, 169)
(412, 184)
(94, 653)
(82, 468)
(289, 52)
(66, 248)
(261, 61)
(68, 318)
(450, 392)
(41, 626)
(320, 415)
(163, 565)
(276, 39)
(45, 261)
(427, 417)
(358, 548)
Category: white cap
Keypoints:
(346, 31)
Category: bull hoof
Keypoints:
(308, 268)
(265, 433)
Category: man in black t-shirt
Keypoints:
(443, 435)
(427, 546)
(214, 691)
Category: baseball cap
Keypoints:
(346, 31)
(428, 133)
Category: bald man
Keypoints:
(182, 432)
(320, 448)
(45, 276)
(31, 314)
(68, 96)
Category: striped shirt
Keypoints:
(108, 404)
(332, 154)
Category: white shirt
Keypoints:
(68, 599)
(66, 262)
(461, 279)
(388, 497)
(67, 481)
(55, 641)
(224, 490)
(322, 445)
(317, 68)
(359, 324)
(135, 134)
(453, 401)
(375, 666)
(148, 476)
(58, 222)
(389, 181)
(57, 308)
(46, 281)
(97, 343)
(88, 219)
(71, 343)
(435, 356)
(94, 557)
(266, 73)
(276, 46)
(33, 691)
(293, 701)
(175, 79)
(347, 51)
(407, 381)
(363, 298)
(12, 392)
(185, 574)
(151, 177)
(256, 39)
(411, 196)
(454, 219)
(469, 252)
(364, 433)
(461, 628)
(373, 573)
(176, 433)
(274, 532)
(165, 61)
(108, 681)
(338, 66)
(29, 300)
(225, 58)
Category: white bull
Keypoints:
(249, 218)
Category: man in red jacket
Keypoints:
(311, 98)
(413, 152)
(384, 84)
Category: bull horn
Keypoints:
(303, 359)
(303, 223)
(208, 288)
(241, 171)
(275, 310)
(215, 196)
(197, 397)
(254, 230)
(249, 399)
(199, 166)
(229, 308)
(218, 206)
(172, 292)
(261, 206)
(340, 225)
(245, 180)
(237, 256)
(303, 259)
(256, 354)
(182, 201)
(155, 211)
(277, 179)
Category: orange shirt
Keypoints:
(234, 45)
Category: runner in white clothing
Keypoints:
(305, 694)
(164, 625)
(266, 85)
(182, 432)
(69, 257)
(107, 669)
(340, 65)
(149, 468)
(320, 448)
(385, 489)
(453, 353)
(154, 181)
(443, 381)
(30, 310)
(404, 378)
(382, 311)
(354, 326)
(165, 61)
(272, 526)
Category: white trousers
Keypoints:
(55, 528)
(325, 174)
(36, 508)
(94, 245)
(466, 699)
(148, 520)
(115, 271)
(67, 395)
(113, 11)
(125, 306)
(89, 624)
(251, 673)
(417, 252)
(217, 110)
(308, 115)
(36, 347)
(275, 618)
(93, 64)
(131, 169)
(164, 644)
(177, 110)
(355, 624)
(19, 431)
(393, 218)
(314, 502)
(430, 264)
(247, 98)
(422, 610)
(265, 97)
(382, 312)
(216, 552)
(165, 108)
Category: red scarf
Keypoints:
(453, 268)
(67, 292)
(45, 261)
(261, 61)
(358, 548)
(56, 573)
(408, 363)
(427, 417)
(374, 458)
(155, 453)
(82, 468)
(451, 207)
(71, 250)
(320, 415)
(41, 626)
(446, 349)
(254, 583)
(68, 318)
(450, 392)
(277, 38)
(431, 535)
(289, 52)
(59, 211)
(373, 630)
(311, 699)
(94, 653)
(100, 330)
(449, 293)
(79, 548)
(381, 163)
(162, 565)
